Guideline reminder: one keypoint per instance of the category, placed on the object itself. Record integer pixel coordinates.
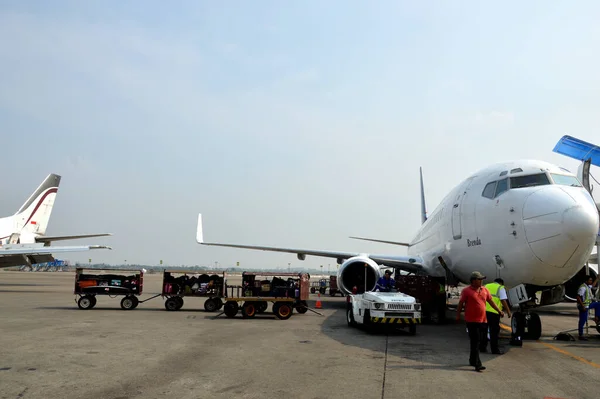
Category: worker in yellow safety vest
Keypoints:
(584, 299)
(499, 297)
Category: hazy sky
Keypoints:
(284, 123)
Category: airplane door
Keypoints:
(457, 213)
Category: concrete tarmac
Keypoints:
(49, 348)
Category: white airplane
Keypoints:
(22, 235)
(529, 222)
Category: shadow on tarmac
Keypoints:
(437, 347)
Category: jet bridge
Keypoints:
(588, 154)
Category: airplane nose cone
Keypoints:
(561, 225)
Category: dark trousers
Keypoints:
(493, 322)
(583, 316)
(477, 335)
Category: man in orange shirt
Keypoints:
(474, 298)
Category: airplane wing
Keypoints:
(74, 237)
(404, 244)
(22, 254)
(406, 263)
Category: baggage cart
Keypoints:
(319, 286)
(333, 287)
(260, 288)
(178, 284)
(128, 283)
(429, 291)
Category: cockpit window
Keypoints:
(488, 191)
(501, 187)
(539, 179)
(565, 180)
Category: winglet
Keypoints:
(423, 209)
(199, 235)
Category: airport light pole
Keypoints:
(289, 267)
(321, 270)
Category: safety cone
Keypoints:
(318, 305)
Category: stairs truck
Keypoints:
(371, 309)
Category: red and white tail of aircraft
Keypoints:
(23, 239)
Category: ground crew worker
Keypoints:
(499, 297)
(473, 298)
(441, 303)
(584, 300)
(386, 283)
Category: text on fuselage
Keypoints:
(472, 243)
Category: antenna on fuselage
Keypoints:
(423, 209)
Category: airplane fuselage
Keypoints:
(534, 228)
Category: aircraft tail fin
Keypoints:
(423, 208)
(33, 216)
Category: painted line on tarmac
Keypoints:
(559, 350)
(564, 352)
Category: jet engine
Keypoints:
(352, 273)
(572, 286)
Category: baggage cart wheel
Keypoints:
(211, 305)
(261, 306)
(172, 304)
(93, 299)
(136, 302)
(282, 310)
(85, 302)
(129, 303)
(219, 303)
(179, 302)
(248, 310)
(231, 308)
(302, 307)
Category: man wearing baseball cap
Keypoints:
(473, 298)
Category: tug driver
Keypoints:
(386, 283)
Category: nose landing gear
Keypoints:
(525, 325)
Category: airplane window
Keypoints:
(503, 173)
(565, 180)
(539, 179)
(516, 170)
(488, 191)
(501, 187)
